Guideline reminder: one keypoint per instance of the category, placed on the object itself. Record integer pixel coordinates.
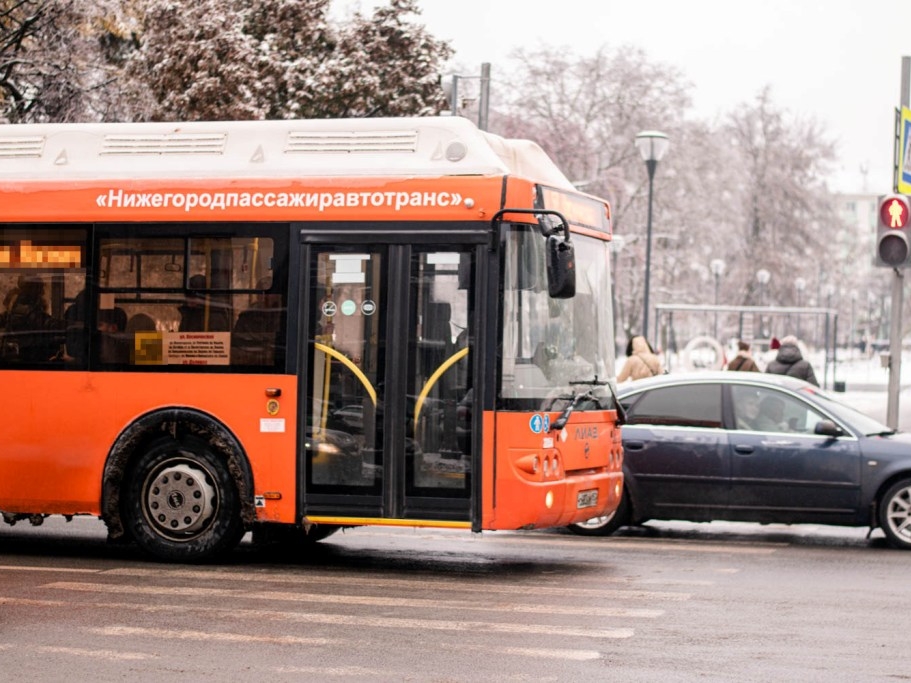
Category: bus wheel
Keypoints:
(606, 525)
(181, 503)
(895, 514)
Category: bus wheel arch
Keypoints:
(219, 453)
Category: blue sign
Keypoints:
(903, 163)
(536, 423)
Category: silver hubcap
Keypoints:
(179, 499)
(898, 514)
(596, 522)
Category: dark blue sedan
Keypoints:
(754, 447)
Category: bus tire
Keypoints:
(181, 503)
(606, 525)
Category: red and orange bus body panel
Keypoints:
(457, 198)
(549, 478)
(534, 477)
(62, 424)
(60, 427)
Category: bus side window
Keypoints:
(30, 333)
(256, 332)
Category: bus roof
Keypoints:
(404, 147)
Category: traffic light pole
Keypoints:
(895, 329)
(895, 348)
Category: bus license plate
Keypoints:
(587, 499)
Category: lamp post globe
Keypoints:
(652, 146)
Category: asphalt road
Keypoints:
(672, 602)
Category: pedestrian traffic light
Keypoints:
(893, 232)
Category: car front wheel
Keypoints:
(895, 514)
(606, 525)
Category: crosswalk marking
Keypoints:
(429, 584)
(339, 619)
(373, 601)
(165, 633)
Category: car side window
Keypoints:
(691, 406)
(766, 410)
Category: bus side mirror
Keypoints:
(561, 268)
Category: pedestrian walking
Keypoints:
(790, 361)
(743, 361)
(641, 361)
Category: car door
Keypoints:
(676, 451)
(782, 471)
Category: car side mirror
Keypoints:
(828, 428)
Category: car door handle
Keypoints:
(634, 445)
(743, 449)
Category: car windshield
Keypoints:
(858, 420)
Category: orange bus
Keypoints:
(213, 328)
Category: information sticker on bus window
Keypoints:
(197, 348)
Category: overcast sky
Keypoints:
(837, 61)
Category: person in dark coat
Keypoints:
(743, 361)
(789, 361)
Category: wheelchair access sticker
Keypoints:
(539, 423)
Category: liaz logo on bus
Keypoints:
(587, 432)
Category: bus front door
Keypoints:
(387, 395)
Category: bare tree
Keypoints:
(749, 190)
(788, 218)
(41, 61)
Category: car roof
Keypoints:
(714, 376)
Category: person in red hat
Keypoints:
(789, 361)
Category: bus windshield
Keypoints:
(550, 343)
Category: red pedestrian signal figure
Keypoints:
(893, 232)
(898, 213)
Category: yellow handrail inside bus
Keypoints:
(448, 363)
(327, 377)
(344, 360)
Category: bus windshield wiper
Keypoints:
(621, 413)
(561, 421)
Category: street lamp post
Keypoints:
(799, 284)
(852, 335)
(717, 267)
(652, 145)
(763, 276)
(828, 291)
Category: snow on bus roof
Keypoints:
(408, 146)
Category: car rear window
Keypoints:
(695, 405)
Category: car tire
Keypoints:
(606, 525)
(895, 514)
(181, 503)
